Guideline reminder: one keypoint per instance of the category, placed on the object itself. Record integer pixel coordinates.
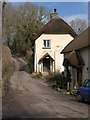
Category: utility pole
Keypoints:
(3, 12)
(0, 60)
(0, 21)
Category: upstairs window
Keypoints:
(46, 44)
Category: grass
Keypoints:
(0, 88)
(6, 73)
(36, 75)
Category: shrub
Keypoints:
(7, 71)
(36, 75)
(59, 81)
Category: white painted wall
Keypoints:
(58, 42)
(85, 53)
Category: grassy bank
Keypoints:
(7, 71)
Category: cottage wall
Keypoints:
(86, 69)
(58, 42)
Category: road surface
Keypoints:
(33, 98)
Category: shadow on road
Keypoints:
(12, 107)
(26, 68)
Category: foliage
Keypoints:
(59, 81)
(7, 71)
(36, 75)
(21, 25)
(30, 59)
(79, 25)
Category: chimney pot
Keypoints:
(55, 10)
(54, 15)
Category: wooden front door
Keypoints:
(46, 64)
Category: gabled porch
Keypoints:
(46, 64)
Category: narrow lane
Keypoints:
(30, 97)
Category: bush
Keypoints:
(7, 71)
(59, 81)
(7, 66)
(36, 75)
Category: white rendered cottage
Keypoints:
(51, 40)
(76, 54)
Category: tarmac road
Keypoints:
(33, 98)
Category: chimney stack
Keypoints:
(54, 15)
(55, 10)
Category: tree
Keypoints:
(22, 24)
(78, 25)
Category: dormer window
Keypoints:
(46, 44)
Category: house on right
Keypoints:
(77, 57)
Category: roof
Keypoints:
(46, 55)
(81, 41)
(74, 59)
(56, 26)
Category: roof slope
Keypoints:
(81, 41)
(46, 55)
(56, 26)
(73, 59)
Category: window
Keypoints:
(88, 84)
(46, 43)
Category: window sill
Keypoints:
(46, 48)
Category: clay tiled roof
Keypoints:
(81, 41)
(56, 26)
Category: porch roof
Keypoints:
(46, 55)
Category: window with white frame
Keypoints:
(46, 44)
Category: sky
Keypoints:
(66, 10)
